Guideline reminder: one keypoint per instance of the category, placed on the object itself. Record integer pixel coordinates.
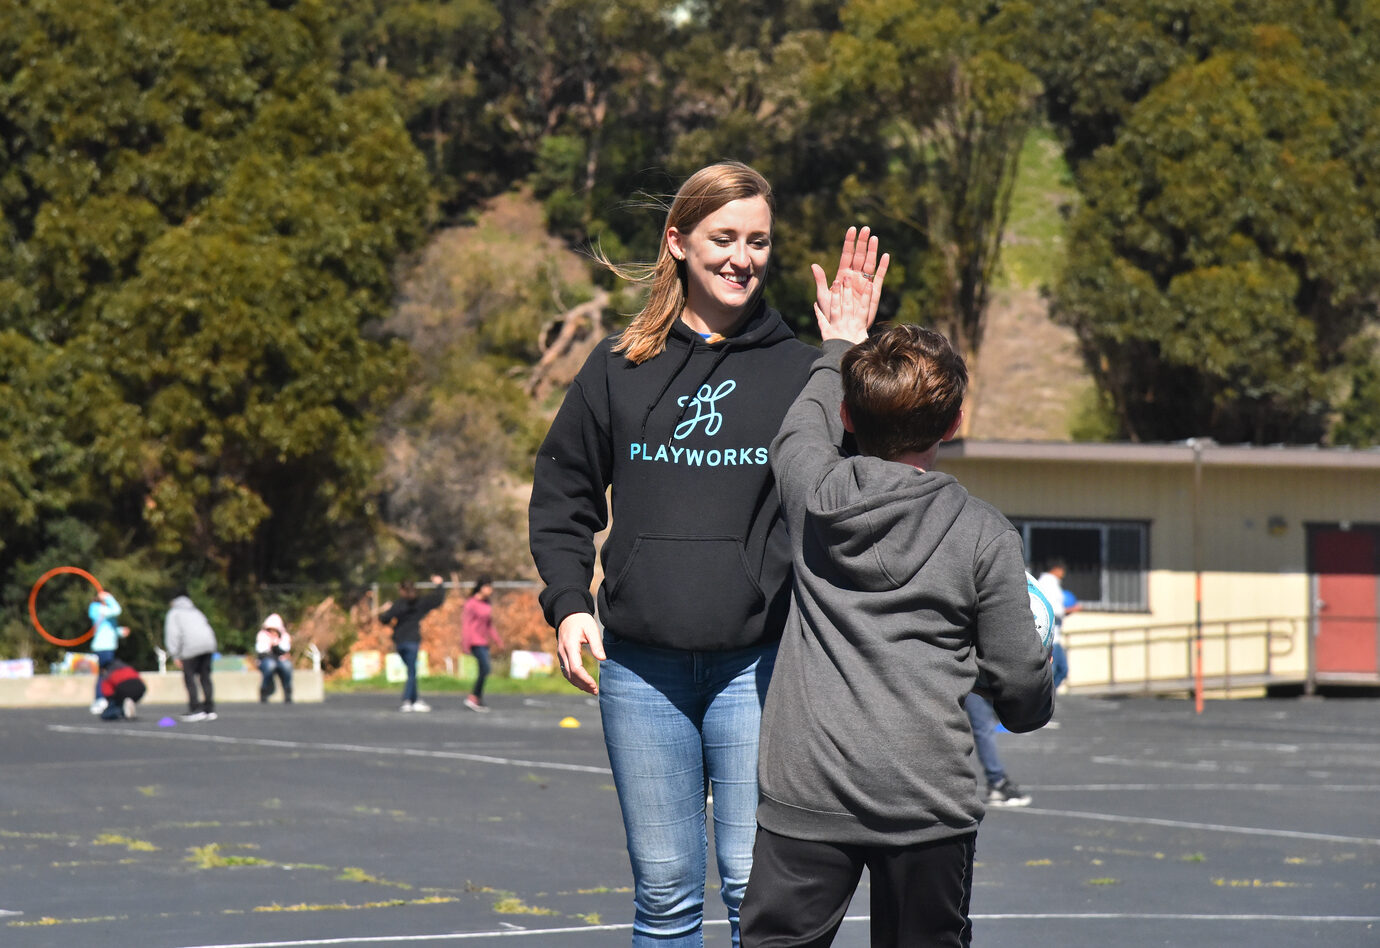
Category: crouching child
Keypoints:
(905, 586)
(122, 689)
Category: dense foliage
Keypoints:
(195, 228)
(1225, 258)
(223, 361)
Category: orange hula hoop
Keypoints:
(33, 599)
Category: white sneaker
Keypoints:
(420, 705)
(1006, 793)
(131, 711)
(406, 707)
(194, 716)
(209, 716)
(99, 705)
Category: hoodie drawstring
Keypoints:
(689, 351)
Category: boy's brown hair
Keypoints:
(903, 388)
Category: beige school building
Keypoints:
(1282, 542)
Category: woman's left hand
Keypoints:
(846, 308)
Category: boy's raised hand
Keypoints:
(846, 308)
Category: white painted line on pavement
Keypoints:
(1184, 824)
(1174, 917)
(1210, 787)
(348, 748)
(708, 923)
(1159, 764)
(443, 936)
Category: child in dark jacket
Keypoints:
(122, 689)
(405, 615)
(905, 587)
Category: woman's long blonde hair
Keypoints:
(703, 193)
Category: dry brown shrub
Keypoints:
(518, 618)
(327, 626)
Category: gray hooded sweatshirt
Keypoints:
(904, 587)
(186, 631)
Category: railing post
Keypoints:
(1226, 656)
(1197, 444)
(1188, 659)
(1310, 675)
(1145, 642)
(1111, 659)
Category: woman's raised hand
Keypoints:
(846, 308)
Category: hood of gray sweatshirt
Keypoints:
(904, 586)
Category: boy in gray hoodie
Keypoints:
(905, 586)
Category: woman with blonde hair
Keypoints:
(676, 413)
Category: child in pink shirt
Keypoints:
(477, 634)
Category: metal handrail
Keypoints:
(1277, 633)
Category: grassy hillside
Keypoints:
(1029, 383)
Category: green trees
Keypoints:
(1225, 252)
(205, 207)
(435, 58)
(194, 230)
(908, 116)
(940, 112)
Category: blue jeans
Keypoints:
(103, 658)
(677, 723)
(984, 722)
(481, 658)
(270, 665)
(1061, 663)
(407, 651)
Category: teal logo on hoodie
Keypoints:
(704, 403)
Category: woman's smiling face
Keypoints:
(725, 257)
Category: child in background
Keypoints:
(122, 689)
(104, 639)
(191, 643)
(477, 634)
(1051, 583)
(405, 615)
(273, 646)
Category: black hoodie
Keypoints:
(698, 556)
(407, 613)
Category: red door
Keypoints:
(1348, 636)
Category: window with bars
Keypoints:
(1107, 561)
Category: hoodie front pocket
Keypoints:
(674, 585)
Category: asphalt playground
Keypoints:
(1256, 823)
